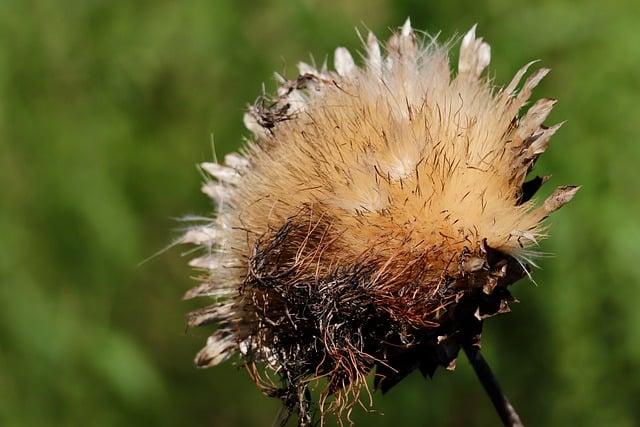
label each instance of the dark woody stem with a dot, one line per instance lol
(507, 413)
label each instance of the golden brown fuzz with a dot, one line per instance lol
(373, 221)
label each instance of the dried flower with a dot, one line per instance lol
(373, 221)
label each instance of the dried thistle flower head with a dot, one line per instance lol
(373, 221)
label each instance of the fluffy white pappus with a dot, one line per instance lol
(399, 155)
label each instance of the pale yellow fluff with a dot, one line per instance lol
(399, 154)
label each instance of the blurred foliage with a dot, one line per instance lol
(105, 108)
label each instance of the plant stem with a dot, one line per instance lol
(507, 413)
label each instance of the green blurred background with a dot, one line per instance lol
(106, 107)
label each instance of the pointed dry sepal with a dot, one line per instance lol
(374, 56)
(535, 116)
(204, 235)
(560, 197)
(527, 88)
(220, 172)
(209, 289)
(210, 314)
(540, 140)
(215, 191)
(343, 62)
(219, 347)
(510, 89)
(236, 161)
(402, 47)
(407, 42)
(475, 54)
(304, 69)
(252, 123)
(407, 30)
(207, 262)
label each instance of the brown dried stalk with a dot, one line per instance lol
(505, 410)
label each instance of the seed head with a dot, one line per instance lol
(375, 218)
